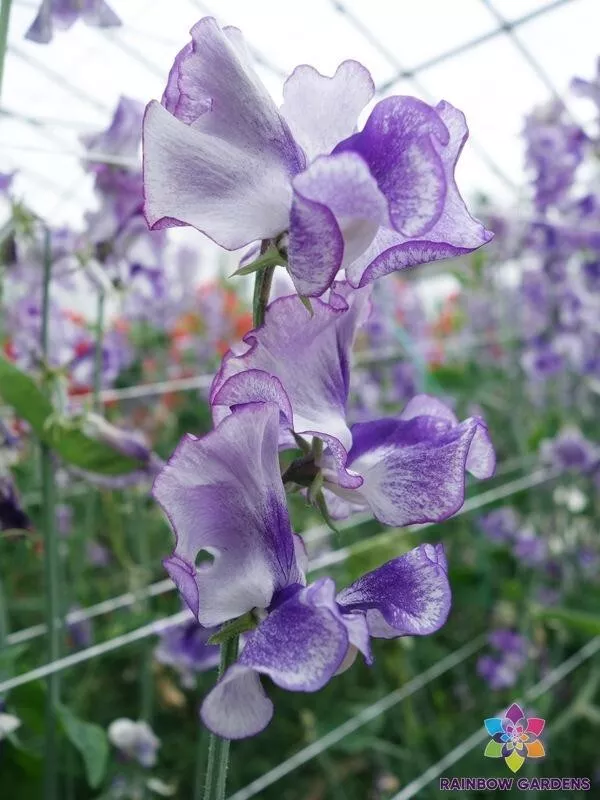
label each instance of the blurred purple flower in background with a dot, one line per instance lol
(62, 14)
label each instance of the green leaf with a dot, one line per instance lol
(581, 620)
(90, 740)
(22, 393)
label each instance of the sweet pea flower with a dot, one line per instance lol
(224, 496)
(135, 740)
(185, 648)
(220, 156)
(408, 469)
(570, 451)
(62, 14)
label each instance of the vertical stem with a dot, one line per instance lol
(51, 565)
(262, 289)
(218, 748)
(99, 351)
(4, 17)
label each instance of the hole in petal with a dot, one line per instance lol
(204, 560)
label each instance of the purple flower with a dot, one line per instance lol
(6, 179)
(135, 740)
(502, 669)
(79, 629)
(12, 516)
(123, 135)
(224, 497)
(220, 156)
(570, 450)
(590, 89)
(63, 13)
(185, 648)
(530, 548)
(500, 525)
(406, 470)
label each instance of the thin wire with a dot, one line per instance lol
(84, 155)
(527, 55)
(551, 679)
(474, 503)
(58, 79)
(368, 34)
(363, 717)
(312, 535)
(471, 43)
(94, 651)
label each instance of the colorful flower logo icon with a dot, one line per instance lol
(514, 737)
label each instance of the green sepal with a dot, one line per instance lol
(307, 304)
(247, 622)
(272, 258)
(321, 506)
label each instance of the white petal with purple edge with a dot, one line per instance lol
(413, 470)
(322, 111)
(343, 184)
(237, 706)
(192, 178)
(223, 495)
(408, 596)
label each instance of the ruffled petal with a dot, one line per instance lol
(344, 185)
(322, 111)
(234, 196)
(397, 143)
(302, 642)
(237, 706)
(414, 470)
(223, 495)
(409, 596)
(316, 246)
(453, 233)
(308, 357)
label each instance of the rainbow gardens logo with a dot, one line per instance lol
(514, 737)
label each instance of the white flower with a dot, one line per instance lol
(135, 739)
(8, 724)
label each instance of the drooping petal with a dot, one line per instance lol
(409, 596)
(237, 706)
(397, 143)
(337, 211)
(234, 196)
(322, 111)
(414, 470)
(306, 355)
(223, 495)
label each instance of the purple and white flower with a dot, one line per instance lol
(62, 14)
(408, 469)
(224, 497)
(134, 740)
(220, 156)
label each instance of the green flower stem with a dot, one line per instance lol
(98, 353)
(51, 567)
(262, 290)
(218, 748)
(4, 17)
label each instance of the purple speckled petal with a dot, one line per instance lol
(454, 233)
(322, 111)
(409, 596)
(309, 358)
(223, 495)
(316, 246)
(414, 470)
(397, 143)
(301, 645)
(343, 184)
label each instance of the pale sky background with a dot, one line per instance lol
(72, 85)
